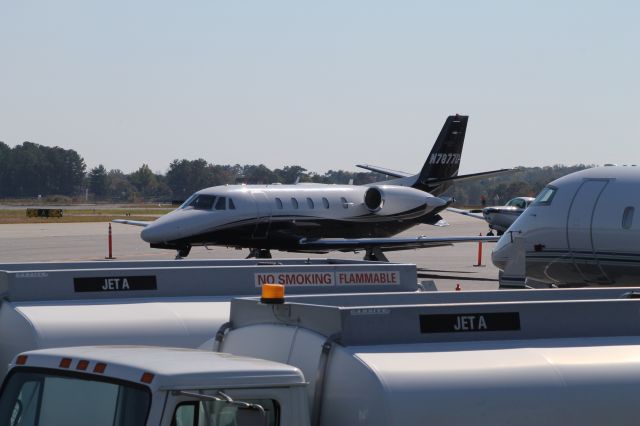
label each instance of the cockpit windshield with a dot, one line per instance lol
(545, 196)
(188, 201)
(199, 202)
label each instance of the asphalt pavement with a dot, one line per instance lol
(67, 242)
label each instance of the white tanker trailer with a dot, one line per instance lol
(552, 357)
(160, 303)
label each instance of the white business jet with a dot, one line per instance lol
(580, 230)
(318, 218)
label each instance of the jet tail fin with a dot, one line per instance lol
(440, 170)
(444, 159)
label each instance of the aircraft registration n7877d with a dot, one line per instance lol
(318, 218)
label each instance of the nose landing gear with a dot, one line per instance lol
(259, 254)
(183, 252)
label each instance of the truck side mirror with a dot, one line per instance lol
(250, 417)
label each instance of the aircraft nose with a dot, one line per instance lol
(498, 261)
(153, 233)
(174, 226)
(503, 252)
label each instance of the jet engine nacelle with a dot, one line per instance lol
(373, 199)
(399, 201)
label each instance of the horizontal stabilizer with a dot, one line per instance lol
(383, 171)
(472, 176)
(132, 222)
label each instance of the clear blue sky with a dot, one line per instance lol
(323, 84)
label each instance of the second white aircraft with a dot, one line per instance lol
(580, 230)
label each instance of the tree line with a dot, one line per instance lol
(31, 170)
(522, 182)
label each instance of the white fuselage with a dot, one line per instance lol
(278, 216)
(318, 218)
(582, 229)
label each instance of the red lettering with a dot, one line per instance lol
(265, 279)
(368, 278)
(310, 278)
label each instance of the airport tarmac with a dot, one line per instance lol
(68, 242)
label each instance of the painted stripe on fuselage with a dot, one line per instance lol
(285, 232)
(584, 267)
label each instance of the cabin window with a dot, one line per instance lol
(278, 203)
(202, 202)
(345, 203)
(545, 197)
(325, 203)
(294, 203)
(627, 217)
(231, 205)
(310, 203)
(221, 204)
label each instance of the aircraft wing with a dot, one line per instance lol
(470, 213)
(388, 244)
(382, 170)
(131, 222)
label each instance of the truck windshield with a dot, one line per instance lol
(39, 397)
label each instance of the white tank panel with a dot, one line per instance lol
(586, 381)
(287, 344)
(158, 323)
(582, 381)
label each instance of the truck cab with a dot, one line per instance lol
(140, 385)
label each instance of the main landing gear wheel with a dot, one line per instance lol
(183, 252)
(259, 254)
